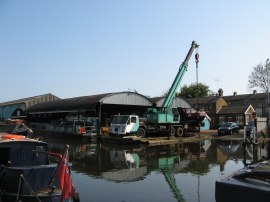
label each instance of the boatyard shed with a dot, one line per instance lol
(92, 112)
(15, 108)
(101, 106)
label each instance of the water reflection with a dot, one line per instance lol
(99, 160)
(129, 164)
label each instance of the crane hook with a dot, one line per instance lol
(197, 57)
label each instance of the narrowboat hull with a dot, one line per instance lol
(251, 183)
(26, 173)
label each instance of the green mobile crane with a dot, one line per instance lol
(164, 120)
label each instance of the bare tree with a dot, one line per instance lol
(259, 77)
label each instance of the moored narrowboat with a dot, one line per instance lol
(251, 183)
(26, 174)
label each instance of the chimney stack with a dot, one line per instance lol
(220, 92)
(234, 93)
(254, 92)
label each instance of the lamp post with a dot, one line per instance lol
(267, 73)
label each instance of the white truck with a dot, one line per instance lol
(124, 125)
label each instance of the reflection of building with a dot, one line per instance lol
(227, 149)
(250, 183)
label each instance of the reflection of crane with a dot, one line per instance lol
(169, 176)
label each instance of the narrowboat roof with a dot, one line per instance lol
(15, 139)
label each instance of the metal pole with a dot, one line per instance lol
(267, 71)
(197, 90)
(197, 56)
(197, 86)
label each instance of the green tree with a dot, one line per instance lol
(192, 90)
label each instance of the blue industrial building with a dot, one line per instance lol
(15, 108)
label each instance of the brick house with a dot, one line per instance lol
(235, 107)
(211, 105)
(259, 102)
(239, 114)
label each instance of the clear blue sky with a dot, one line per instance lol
(74, 48)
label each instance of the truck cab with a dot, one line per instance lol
(124, 125)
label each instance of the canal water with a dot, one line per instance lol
(180, 172)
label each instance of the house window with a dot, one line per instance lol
(247, 118)
(206, 108)
(221, 120)
(239, 119)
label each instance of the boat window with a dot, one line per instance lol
(40, 148)
(5, 155)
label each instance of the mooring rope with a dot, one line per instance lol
(31, 190)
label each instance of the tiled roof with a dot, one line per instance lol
(239, 97)
(203, 100)
(233, 110)
(258, 96)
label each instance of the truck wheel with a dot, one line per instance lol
(179, 132)
(172, 132)
(141, 132)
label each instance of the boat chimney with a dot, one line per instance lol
(234, 93)
(254, 92)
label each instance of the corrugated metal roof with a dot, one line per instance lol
(26, 99)
(177, 102)
(88, 103)
(126, 98)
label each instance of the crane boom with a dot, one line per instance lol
(182, 69)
